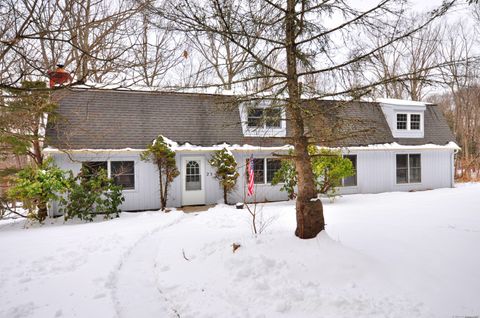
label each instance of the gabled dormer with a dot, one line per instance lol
(262, 119)
(405, 118)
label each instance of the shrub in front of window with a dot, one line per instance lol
(226, 170)
(160, 153)
(35, 186)
(90, 194)
(329, 168)
(287, 176)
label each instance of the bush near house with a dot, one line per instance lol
(161, 154)
(287, 176)
(35, 186)
(226, 171)
(329, 168)
(78, 196)
(89, 195)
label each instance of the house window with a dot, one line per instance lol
(123, 174)
(258, 171)
(402, 121)
(92, 168)
(273, 165)
(409, 168)
(264, 118)
(409, 121)
(268, 165)
(273, 117)
(193, 177)
(352, 180)
(414, 122)
(255, 117)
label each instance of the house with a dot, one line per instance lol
(394, 145)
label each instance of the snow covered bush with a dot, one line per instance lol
(226, 170)
(35, 186)
(87, 195)
(161, 153)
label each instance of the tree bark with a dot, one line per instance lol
(42, 211)
(162, 196)
(225, 195)
(37, 151)
(309, 209)
(165, 194)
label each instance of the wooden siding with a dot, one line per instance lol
(376, 172)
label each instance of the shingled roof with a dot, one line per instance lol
(112, 119)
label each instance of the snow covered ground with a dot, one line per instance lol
(382, 255)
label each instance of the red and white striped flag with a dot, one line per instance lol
(250, 176)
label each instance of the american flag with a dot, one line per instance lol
(250, 176)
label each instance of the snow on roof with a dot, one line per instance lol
(396, 146)
(187, 147)
(208, 90)
(218, 90)
(400, 102)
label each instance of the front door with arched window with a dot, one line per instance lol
(193, 180)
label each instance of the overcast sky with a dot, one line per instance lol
(460, 12)
(417, 4)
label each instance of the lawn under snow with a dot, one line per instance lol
(382, 255)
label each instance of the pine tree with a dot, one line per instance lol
(35, 186)
(226, 170)
(23, 118)
(160, 153)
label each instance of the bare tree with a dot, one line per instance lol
(409, 66)
(461, 78)
(92, 38)
(154, 50)
(225, 59)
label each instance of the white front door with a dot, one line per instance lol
(193, 180)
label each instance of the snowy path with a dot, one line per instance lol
(70, 270)
(134, 284)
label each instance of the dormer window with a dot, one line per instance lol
(402, 121)
(414, 121)
(407, 121)
(262, 119)
(405, 118)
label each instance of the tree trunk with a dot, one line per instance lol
(162, 196)
(310, 219)
(309, 209)
(42, 211)
(225, 195)
(37, 151)
(165, 194)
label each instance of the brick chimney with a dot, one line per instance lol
(59, 77)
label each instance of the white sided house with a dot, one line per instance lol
(394, 145)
